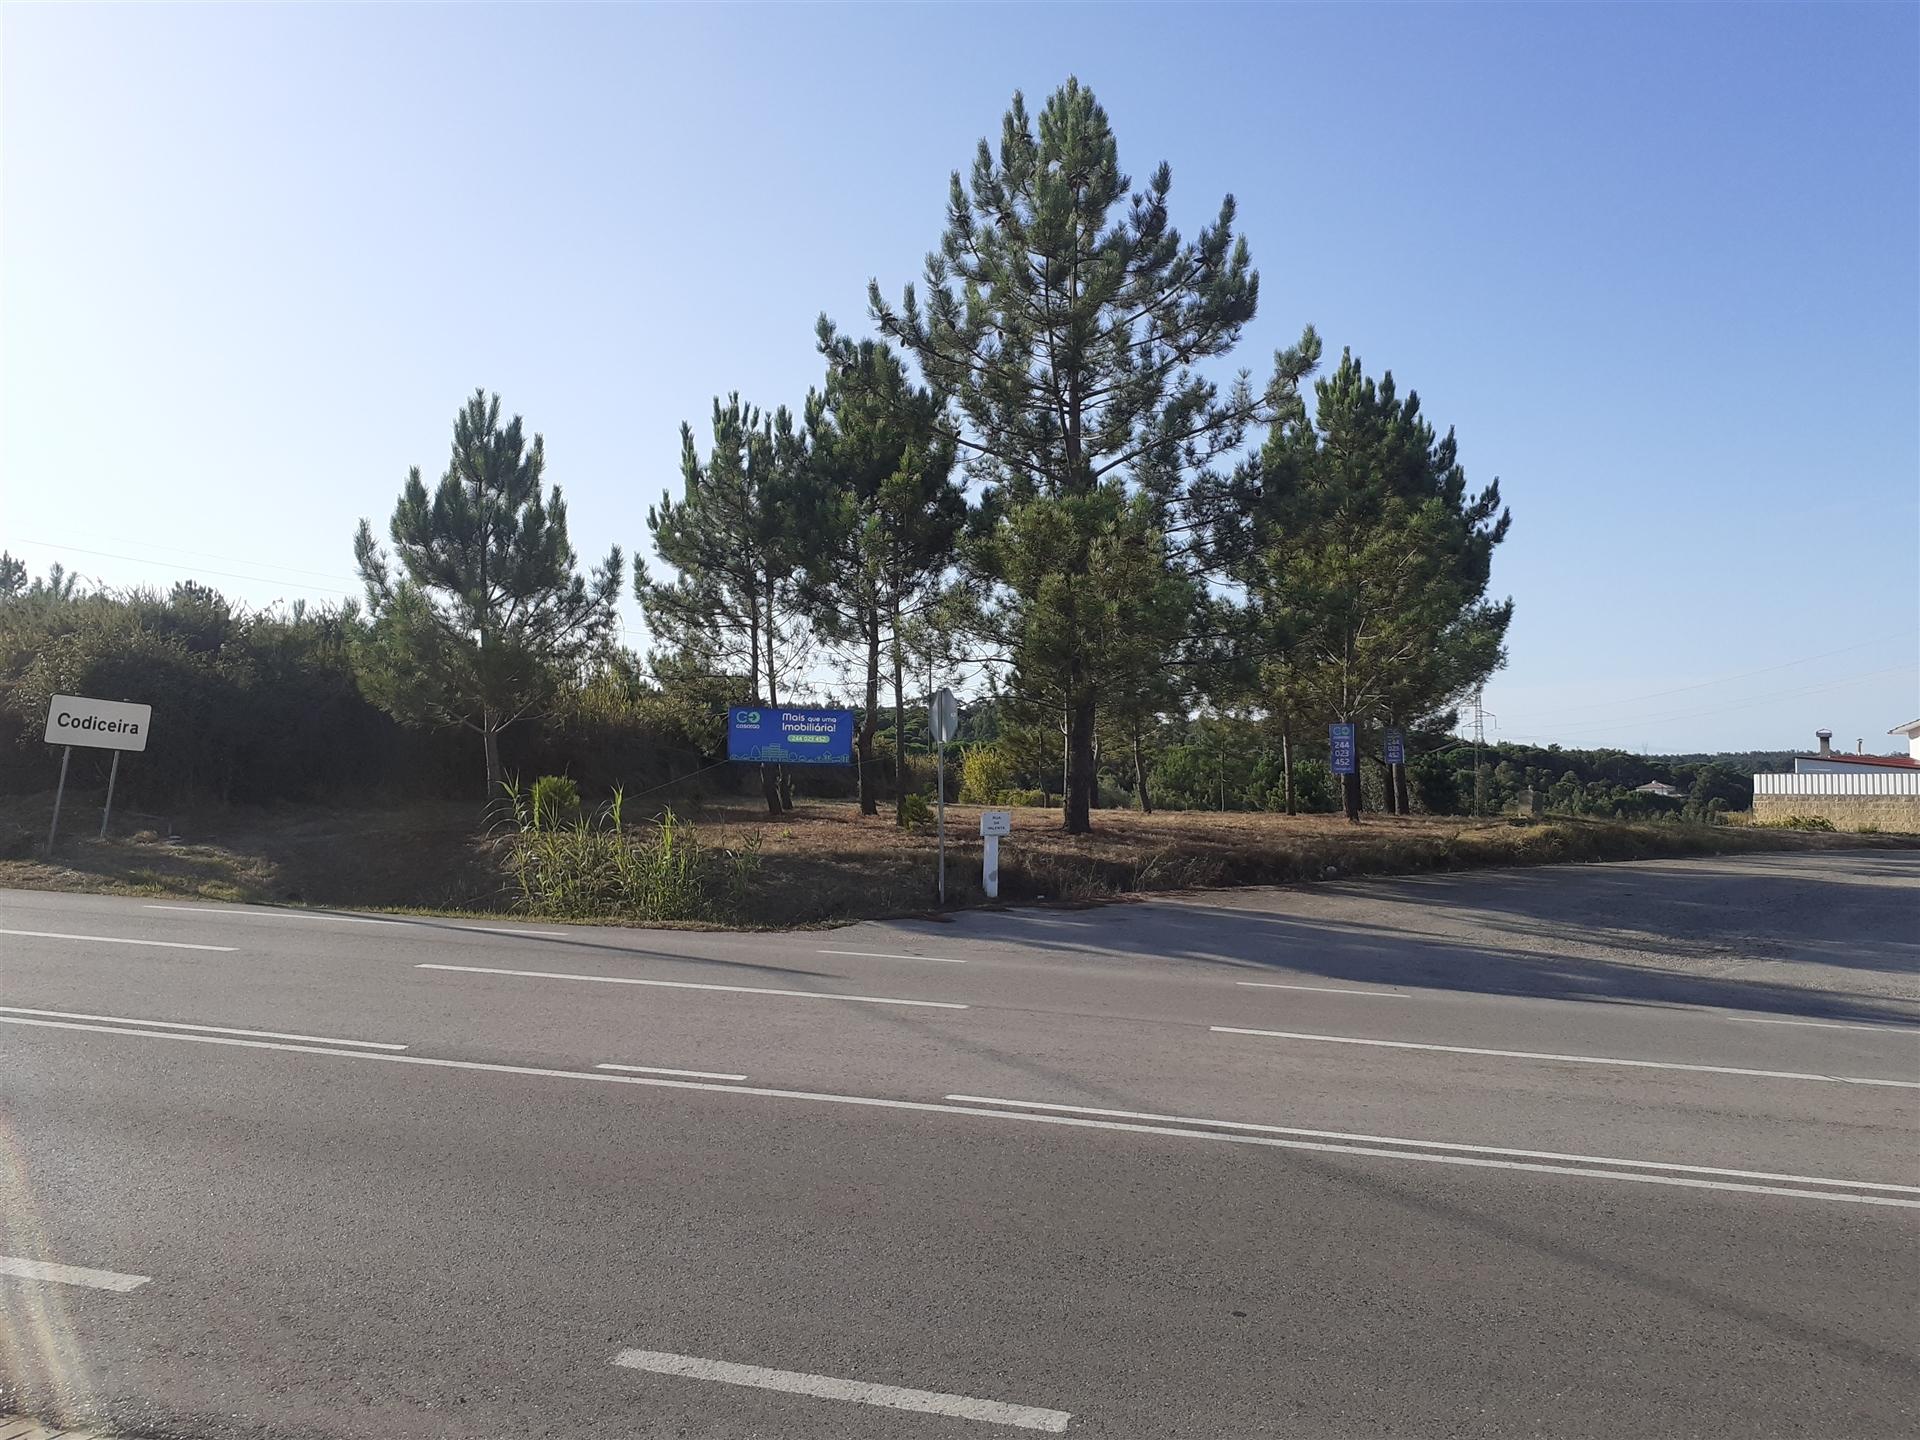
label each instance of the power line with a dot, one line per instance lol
(188, 569)
(197, 554)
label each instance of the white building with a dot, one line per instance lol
(1912, 731)
(1850, 792)
(1829, 761)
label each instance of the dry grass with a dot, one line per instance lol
(825, 862)
(435, 856)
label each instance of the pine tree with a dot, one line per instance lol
(734, 546)
(1366, 562)
(489, 609)
(1063, 315)
(880, 518)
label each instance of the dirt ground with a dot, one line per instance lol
(823, 861)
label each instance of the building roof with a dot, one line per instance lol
(1910, 729)
(1897, 762)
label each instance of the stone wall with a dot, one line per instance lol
(1896, 814)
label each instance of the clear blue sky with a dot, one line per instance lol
(1659, 265)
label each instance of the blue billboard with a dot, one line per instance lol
(775, 735)
(1340, 742)
(1396, 747)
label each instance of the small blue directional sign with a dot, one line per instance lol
(776, 735)
(1396, 748)
(1340, 741)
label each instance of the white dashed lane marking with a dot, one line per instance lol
(858, 1392)
(22, 1269)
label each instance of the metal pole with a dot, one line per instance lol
(66, 754)
(106, 811)
(940, 793)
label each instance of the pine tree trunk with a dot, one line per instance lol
(899, 724)
(1403, 798)
(1286, 761)
(1140, 773)
(780, 791)
(1078, 817)
(1350, 795)
(490, 741)
(869, 797)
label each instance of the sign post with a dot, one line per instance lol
(993, 824)
(66, 757)
(114, 725)
(1397, 773)
(943, 720)
(106, 810)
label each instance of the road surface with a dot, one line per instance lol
(1599, 1151)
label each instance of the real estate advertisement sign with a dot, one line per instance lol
(777, 735)
(1396, 748)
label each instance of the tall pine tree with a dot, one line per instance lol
(734, 547)
(1064, 315)
(1365, 561)
(488, 611)
(881, 515)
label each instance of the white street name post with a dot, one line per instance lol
(114, 725)
(993, 824)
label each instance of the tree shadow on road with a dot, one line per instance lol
(1768, 934)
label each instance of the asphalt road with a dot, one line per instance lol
(1606, 1151)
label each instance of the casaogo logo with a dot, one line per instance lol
(749, 717)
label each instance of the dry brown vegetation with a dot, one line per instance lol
(825, 862)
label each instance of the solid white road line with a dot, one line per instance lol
(860, 1392)
(1439, 1144)
(115, 940)
(212, 1029)
(692, 985)
(1321, 989)
(878, 955)
(21, 1269)
(929, 1107)
(1569, 1059)
(265, 914)
(663, 1070)
(1827, 1025)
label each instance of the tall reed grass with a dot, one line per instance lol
(594, 867)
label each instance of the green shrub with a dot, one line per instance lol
(1020, 797)
(915, 813)
(985, 771)
(554, 802)
(594, 868)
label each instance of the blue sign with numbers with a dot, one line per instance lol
(1340, 742)
(777, 735)
(1396, 748)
